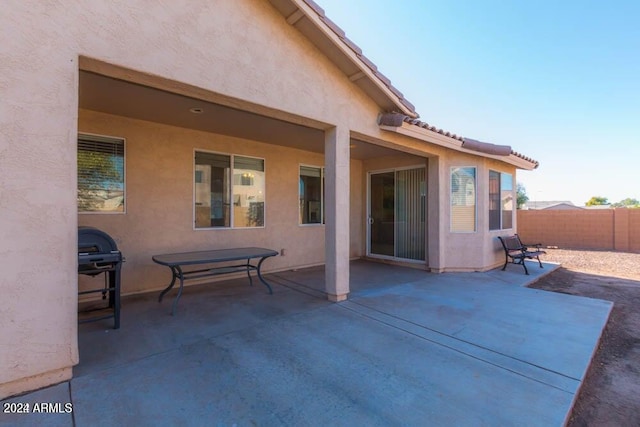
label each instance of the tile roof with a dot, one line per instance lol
(527, 158)
(396, 119)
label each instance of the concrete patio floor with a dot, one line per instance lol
(407, 348)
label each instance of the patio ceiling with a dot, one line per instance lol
(118, 97)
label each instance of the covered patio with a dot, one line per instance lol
(408, 348)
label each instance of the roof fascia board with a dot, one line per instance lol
(425, 135)
(295, 17)
(348, 52)
(453, 144)
(520, 163)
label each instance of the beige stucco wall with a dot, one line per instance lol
(216, 45)
(226, 45)
(242, 50)
(38, 107)
(479, 250)
(159, 200)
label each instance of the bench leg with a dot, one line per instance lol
(539, 262)
(520, 260)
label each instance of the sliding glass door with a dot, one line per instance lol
(382, 214)
(397, 206)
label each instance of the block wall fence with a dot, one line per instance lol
(606, 229)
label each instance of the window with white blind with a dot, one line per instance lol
(463, 199)
(501, 200)
(100, 174)
(229, 191)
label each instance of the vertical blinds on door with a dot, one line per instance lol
(410, 213)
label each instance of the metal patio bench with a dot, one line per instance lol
(517, 251)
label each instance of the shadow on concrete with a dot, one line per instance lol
(408, 348)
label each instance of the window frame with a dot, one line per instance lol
(501, 212)
(107, 139)
(232, 225)
(322, 195)
(475, 200)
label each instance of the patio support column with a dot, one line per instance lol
(438, 213)
(337, 183)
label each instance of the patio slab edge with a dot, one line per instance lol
(586, 371)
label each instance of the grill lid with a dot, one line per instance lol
(93, 240)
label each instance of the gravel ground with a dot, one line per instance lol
(616, 264)
(610, 393)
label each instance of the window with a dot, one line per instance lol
(500, 200)
(229, 191)
(248, 195)
(311, 189)
(463, 199)
(100, 174)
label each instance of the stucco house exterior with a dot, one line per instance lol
(215, 124)
(551, 205)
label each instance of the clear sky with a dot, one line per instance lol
(559, 81)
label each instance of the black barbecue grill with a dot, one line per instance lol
(99, 254)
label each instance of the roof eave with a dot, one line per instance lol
(294, 11)
(451, 143)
